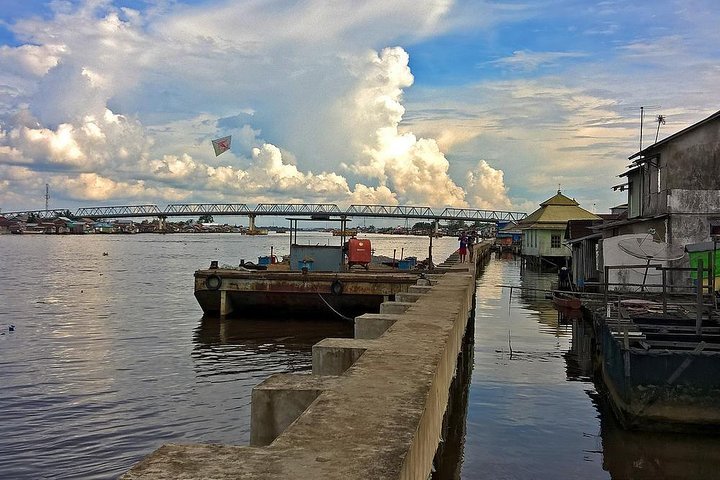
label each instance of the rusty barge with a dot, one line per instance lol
(319, 294)
(660, 369)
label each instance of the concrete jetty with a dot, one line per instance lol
(373, 406)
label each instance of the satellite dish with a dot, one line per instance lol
(649, 249)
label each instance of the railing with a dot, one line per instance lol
(697, 291)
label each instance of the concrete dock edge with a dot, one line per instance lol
(373, 407)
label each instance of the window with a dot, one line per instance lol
(555, 241)
(658, 178)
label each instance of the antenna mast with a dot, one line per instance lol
(642, 116)
(660, 120)
(47, 196)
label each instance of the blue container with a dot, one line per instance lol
(302, 264)
(405, 265)
(264, 260)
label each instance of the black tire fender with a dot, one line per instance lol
(336, 287)
(213, 282)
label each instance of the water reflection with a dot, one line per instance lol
(229, 349)
(449, 456)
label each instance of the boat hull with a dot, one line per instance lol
(279, 293)
(676, 390)
(566, 301)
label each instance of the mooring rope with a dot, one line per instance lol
(336, 312)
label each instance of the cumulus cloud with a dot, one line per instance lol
(413, 167)
(486, 187)
(101, 103)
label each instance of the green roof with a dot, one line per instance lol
(555, 212)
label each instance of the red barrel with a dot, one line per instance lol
(358, 252)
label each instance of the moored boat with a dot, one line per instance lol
(566, 300)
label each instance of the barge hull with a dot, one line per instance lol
(676, 390)
(317, 294)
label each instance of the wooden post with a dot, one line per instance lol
(626, 351)
(699, 290)
(664, 293)
(607, 276)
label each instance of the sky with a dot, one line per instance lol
(469, 103)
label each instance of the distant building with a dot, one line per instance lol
(544, 229)
(584, 237)
(4, 225)
(508, 236)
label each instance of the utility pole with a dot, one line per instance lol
(47, 196)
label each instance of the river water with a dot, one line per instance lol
(111, 357)
(535, 413)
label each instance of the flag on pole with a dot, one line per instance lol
(221, 145)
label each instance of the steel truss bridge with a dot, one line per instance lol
(313, 210)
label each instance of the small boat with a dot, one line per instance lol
(566, 300)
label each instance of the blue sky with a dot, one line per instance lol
(487, 104)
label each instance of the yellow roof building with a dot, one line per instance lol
(555, 212)
(543, 230)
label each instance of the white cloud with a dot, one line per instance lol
(527, 60)
(340, 103)
(486, 187)
(415, 168)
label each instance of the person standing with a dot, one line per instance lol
(472, 240)
(462, 251)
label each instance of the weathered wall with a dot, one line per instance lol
(542, 246)
(688, 162)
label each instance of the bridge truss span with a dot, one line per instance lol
(292, 209)
(122, 211)
(184, 209)
(397, 211)
(471, 214)
(316, 210)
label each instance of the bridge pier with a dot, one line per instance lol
(251, 223)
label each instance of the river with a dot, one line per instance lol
(535, 412)
(111, 357)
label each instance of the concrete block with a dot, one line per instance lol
(394, 307)
(374, 325)
(420, 288)
(279, 401)
(407, 297)
(332, 356)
